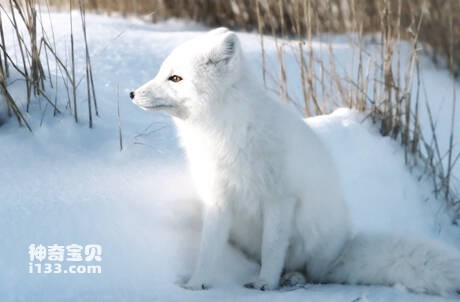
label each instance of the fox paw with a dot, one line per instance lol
(193, 285)
(261, 285)
(293, 279)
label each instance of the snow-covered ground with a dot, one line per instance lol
(68, 184)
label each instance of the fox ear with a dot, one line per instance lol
(225, 49)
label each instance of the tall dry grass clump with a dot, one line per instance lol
(381, 84)
(36, 50)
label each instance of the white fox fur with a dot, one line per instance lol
(268, 183)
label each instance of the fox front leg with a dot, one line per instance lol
(216, 228)
(276, 229)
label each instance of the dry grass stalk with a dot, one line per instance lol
(4, 61)
(88, 64)
(72, 67)
(452, 121)
(261, 29)
(300, 35)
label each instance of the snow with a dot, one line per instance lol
(68, 184)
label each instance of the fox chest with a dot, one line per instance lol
(229, 177)
(230, 170)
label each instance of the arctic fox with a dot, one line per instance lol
(269, 185)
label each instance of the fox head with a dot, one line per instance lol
(194, 76)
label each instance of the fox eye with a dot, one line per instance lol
(175, 78)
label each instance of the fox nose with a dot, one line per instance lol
(131, 95)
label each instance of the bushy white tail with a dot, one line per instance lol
(421, 265)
